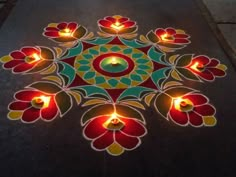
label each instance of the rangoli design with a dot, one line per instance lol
(116, 77)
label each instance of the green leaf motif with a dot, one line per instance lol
(113, 82)
(100, 80)
(64, 102)
(93, 52)
(184, 60)
(74, 51)
(159, 75)
(126, 81)
(155, 55)
(83, 62)
(144, 67)
(136, 77)
(187, 74)
(162, 104)
(68, 71)
(142, 61)
(142, 72)
(46, 87)
(93, 90)
(137, 55)
(103, 49)
(115, 49)
(133, 43)
(89, 75)
(83, 68)
(100, 41)
(128, 51)
(88, 56)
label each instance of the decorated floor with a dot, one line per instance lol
(117, 93)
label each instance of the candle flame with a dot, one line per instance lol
(117, 25)
(114, 61)
(45, 100)
(65, 32)
(197, 66)
(165, 37)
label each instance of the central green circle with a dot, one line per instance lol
(107, 65)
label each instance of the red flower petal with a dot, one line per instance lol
(206, 75)
(178, 117)
(51, 29)
(111, 19)
(104, 141)
(171, 31)
(52, 34)
(216, 72)
(160, 31)
(195, 119)
(105, 23)
(27, 95)
(181, 41)
(17, 55)
(31, 114)
(197, 99)
(95, 127)
(23, 67)
(127, 142)
(123, 19)
(181, 36)
(72, 26)
(133, 127)
(18, 105)
(29, 51)
(62, 25)
(13, 63)
(202, 59)
(205, 110)
(50, 112)
(213, 63)
(129, 24)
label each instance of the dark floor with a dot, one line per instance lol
(57, 149)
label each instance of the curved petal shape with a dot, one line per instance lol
(195, 119)
(19, 105)
(133, 127)
(127, 142)
(17, 55)
(178, 117)
(205, 110)
(196, 99)
(104, 141)
(31, 115)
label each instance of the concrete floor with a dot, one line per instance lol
(57, 149)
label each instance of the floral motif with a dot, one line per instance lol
(193, 109)
(65, 31)
(28, 59)
(114, 133)
(168, 39)
(207, 68)
(114, 25)
(32, 105)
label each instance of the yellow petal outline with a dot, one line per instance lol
(134, 104)
(50, 70)
(173, 58)
(52, 25)
(76, 96)
(5, 59)
(54, 78)
(93, 102)
(149, 98)
(115, 149)
(221, 67)
(59, 51)
(209, 121)
(171, 84)
(15, 115)
(175, 75)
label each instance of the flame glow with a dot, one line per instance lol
(117, 25)
(66, 32)
(45, 100)
(114, 61)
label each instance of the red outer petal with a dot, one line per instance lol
(95, 127)
(205, 110)
(52, 34)
(206, 75)
(127, 142)
(17, 55)
(160, 31)
(123, 19)
(213, 63)
(31, 114)
(181, 36)
(178, 117)
(216, 71)
(129, 24)
(72, 26)
(27, 95)
(181, 41)
(202, 59)
(29, 51)
(111, 19)
(197, 99)
(105, 23)
(170, 31)
(51, 29)
(104, 141)
(13, 63)
(133, 127)
(23, 67)
(62, 25)
(18, 105)
(50, 112)
(195, 119)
